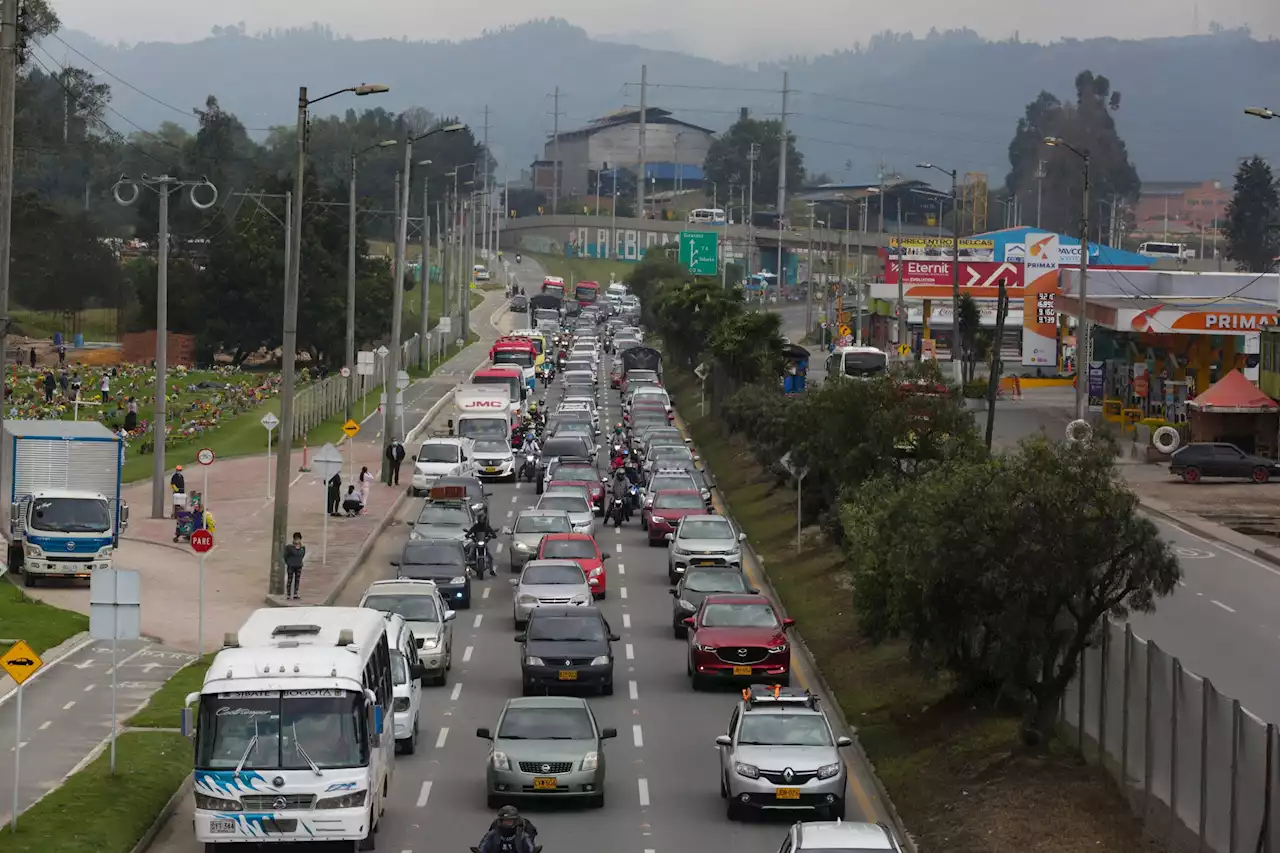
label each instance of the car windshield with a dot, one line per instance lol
(576, 472)
(562, 574)
(493, 447)
(448, 516)
(784, 730)
(564, 447)
(669, 482)
(399, 670)
(696, 581)
(513, 385)
(431, 554)
(569, 549)
(414, 608)
(281, 731)
(678, 502)
(521, 357)
(739, 616)
(543, 524)
(438, 453)
(546, 724)
(671, 451)
(574, 428)
(567, 629)
(567, 503)
(71, 515)
(706, 528)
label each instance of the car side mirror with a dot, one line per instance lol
(844, 741)
(450, 615)
(488, 494)
(724, 740)
(675, 593)
(613, 638)
(604, 556)
(608, 734)
(519, 638)
(506, 531)
(687, 621)
(670, 537)
(417, 672)
(414, 457)
(484, 733)
(788, 622)
(742, 537)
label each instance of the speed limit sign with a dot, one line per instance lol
(205, 456)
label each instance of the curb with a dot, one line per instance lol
(149, 837)
(1266, 554)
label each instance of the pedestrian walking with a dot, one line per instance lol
(33, 358)
(76, 385)
(62, 355)
(49, 384)
(335, 495)
(295, 554)
(105, 386)
(64, 380)
(366, 481)
(395, 454)
(131, 415)
(178, 484)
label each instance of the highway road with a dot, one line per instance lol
(661, 793)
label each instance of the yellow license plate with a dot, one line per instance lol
(547, 783)
(742, 670)
(568, 675)
(788, 793)
(491, 469)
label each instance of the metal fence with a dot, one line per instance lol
(1196, 766)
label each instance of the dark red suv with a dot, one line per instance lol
(668, 507)
(738, 638)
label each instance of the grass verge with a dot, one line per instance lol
(43, 626)
(953, 771)
(583, 269)
(164, 710)
(96, 324)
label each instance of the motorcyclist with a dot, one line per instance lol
(509, 833)
(620, 488)
(517, 257)
(480, 533)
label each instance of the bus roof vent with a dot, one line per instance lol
(288, 644)
(346, 637)
(295, 630)
(231, 640)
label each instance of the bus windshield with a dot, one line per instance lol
(554, 289)
(514, 386)
(281, 731)
(587, 295)
(520, 357)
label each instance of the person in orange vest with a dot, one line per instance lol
(1017, 386)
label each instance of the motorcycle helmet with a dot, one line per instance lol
(508, 820)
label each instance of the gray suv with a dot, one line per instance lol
(527, 532)
(780, 753)
(837, 836)
(703, 540)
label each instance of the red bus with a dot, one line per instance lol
(554, 285)
(587, 292)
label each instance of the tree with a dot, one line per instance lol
(749, 346)
(969, 324)
(728, 159)
(59, 264)
(1000, 570)
(1253, 218)
(1087, 125)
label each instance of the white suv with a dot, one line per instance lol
(837, 836)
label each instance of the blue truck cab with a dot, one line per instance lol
(63, 509)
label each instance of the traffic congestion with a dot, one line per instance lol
(571, 642)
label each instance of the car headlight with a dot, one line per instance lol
(533, 661)
(686, 604)
(521, 546)
(459, 579)
(657, 519)
(600, 660)
(778, 649)
(500, 761)
(527, 599)
(679, 552)
(217, 804)
(400, 703)
(354, 800)
(34, 550)
(700, 647)
(589, 761)
(748, 770)
(413, 534)
(829, 770)
(430, 643)
(579, 599)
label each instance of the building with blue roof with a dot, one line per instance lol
(1011, 246)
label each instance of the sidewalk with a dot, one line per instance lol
(237, 570)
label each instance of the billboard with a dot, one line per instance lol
(1039, 307)
(931, 279)
(942, 248)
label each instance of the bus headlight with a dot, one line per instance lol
(217, 804)
(353, 800)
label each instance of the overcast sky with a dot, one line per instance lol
(731, 30)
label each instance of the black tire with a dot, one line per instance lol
(606, 689)
(731, 810)
(527, 689)
(369, 842)
(28, 579)
(596, 802)
(412, 746)
(679, 631)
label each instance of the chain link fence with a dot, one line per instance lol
(1196, 766)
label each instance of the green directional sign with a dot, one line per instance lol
(699, 251)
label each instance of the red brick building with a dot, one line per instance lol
(1187, 206)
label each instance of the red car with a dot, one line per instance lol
(668, 507)
(737, 637)
(580, 477)
(582, 549)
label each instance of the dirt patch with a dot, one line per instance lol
(1249, 508)
(952, 767)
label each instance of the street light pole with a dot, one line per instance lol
(351, 273)
(1083, 348)
(956, 364)
(425, 295)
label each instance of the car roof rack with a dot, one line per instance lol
(776, 694)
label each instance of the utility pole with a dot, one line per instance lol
(1084, 350)
(391, 410)
(782, 178)
(8, 82)
(425, 308)
(555, 151)
(1040, 176)
(164, 186)
(485, 204)
(902, 295)
(993, 380)
(956, 366)
(753, 153)
(642, 181)
(466, 282)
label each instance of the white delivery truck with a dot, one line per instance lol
(483, 412)
(61, 483)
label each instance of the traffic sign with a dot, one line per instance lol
(351, 428)
(270, 421)
(382, 352)
(904, 349)
(701, 371)
(402, 380)
(21, 662)
(327, 462)
(445, 325)
(345, 372)
(201, 541)
(845, 331)
(699, 251)
(205, 456)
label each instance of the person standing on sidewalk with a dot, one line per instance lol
(178, 485)
(335, 494)
(295, 553)
(395, 454)
(366, 480)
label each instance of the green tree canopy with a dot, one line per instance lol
(728, 160)
(1253, 218)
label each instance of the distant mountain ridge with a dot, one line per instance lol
(951, 98)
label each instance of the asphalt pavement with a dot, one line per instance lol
(66, 713)
(662, 791)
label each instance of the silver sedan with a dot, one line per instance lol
(556, 583)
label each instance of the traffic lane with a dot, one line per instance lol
(1236, 583)
(66, 712)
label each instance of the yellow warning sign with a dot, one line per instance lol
(351, 428)
(845, 331)
(21, 662)
(904, 349)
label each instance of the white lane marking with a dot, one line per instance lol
(46, 724)
(626, 620)
(1182, 583)
(510, 513)
(88, 687)
(622, 592)
(479, 619)
(67, 707)
(456, 692)
(485, 594)
(643, 784)
(126, 660)
(622, 570)
(466, 654)
(1233, 552)
(637, 735)
(424, 793)
(442, 737)
(515, 498)
(1220, 604)
(633, 690)
(631, 652)
(619, 547)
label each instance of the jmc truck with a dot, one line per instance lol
(62, 484)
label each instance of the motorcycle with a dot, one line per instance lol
(517, 257)
(617, 510)
(479, 558)
(537, 848)
(529, 469)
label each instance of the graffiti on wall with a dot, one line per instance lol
(628, 244)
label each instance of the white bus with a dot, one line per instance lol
(857, 363)
(1175, 251)
(293, 730)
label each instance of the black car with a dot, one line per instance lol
(695, 585)
(554, 448)
(520, 304)
(475, 493)
(566, 647)
(1220, 459)
(441, 560)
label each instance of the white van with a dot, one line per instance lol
(441, 457)
(708, 216)
(406, 691)
(1174, 251)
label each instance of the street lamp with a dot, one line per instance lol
(955, 269)
(397, 292)
(425, 313)
(289, 338)
(1083, 348)
(351, 271)
(1261, 112)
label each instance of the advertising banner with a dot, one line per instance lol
(1039, 309)
(941, 248)
(931, 279)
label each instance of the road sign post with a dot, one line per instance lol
(382, 352)
(21, 662)
(205, 457)
(699, 251)
(201, 543)
(701, 372)
(270, 421)
(798, 474)
(328, 463)
(351, 429)
(115, 614)
(364, 367)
